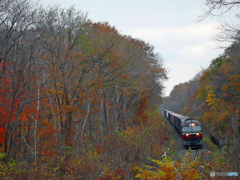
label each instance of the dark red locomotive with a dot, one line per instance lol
(189, 128)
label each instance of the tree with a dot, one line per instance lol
(219, 7)
(66, 81)
(228, 32)
(18, 47)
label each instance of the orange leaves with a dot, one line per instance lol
(114, 175)
(85, 80)
(68, 108)
(78, 55)
(231, 71)
(220, 89)
(102, 27)
(98, 148)
(141, 111)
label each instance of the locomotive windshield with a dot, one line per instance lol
(191, 128)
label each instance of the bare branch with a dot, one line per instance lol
(218, 8)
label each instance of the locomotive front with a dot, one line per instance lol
(192, 132)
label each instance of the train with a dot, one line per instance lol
(189, 128)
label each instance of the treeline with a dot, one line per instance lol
(65, 81)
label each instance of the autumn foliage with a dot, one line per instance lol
(70, 92)
(212, 97)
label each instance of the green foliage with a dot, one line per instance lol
(2, 155)
(12, 168)
(172, 146)
(69, 150)
(213, 147)
(216, 65)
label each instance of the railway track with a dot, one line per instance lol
(197, 153)
(193, 154)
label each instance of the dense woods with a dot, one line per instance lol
(70, 86)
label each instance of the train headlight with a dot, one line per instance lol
(197, 134)
(187, 134)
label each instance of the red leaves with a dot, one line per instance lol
(102, 27)
(12, 94)
(141, 111)
(98, 148)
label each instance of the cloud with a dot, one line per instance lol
(180, 72)
(188, 42)
(192, 32)
(185, 49)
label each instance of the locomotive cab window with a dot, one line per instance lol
(191, 128)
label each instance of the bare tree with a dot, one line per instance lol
(228, 31)
(219, 7)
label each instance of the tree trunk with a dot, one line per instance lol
(85, 119)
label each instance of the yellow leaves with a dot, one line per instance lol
(157, 150)
(69, 108)
(60, 92)
(211, 98)
(168, 169)
(92, 154)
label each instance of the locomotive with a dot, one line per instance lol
(190, 129)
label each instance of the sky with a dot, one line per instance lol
(171, 26)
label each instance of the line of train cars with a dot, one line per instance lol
(189, 128)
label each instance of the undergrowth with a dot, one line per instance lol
(213, 147)
(114, 158)
(133, 153)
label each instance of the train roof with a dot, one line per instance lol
(179, 116)
(186, 121)
(167, 110)
(189, 121)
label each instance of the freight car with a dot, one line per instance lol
(190, 129)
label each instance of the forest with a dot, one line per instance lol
(71, 92)
(79, 100)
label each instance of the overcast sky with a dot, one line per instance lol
(169, 25)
